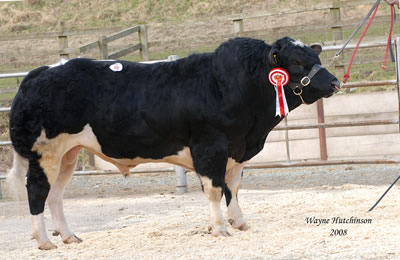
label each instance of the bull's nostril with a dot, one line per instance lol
(336, 84)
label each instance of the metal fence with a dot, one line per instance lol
(321, 125)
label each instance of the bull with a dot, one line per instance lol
(209, 113)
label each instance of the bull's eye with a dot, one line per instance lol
(296, 68)
(296, 62)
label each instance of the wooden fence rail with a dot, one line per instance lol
(103, 41)
(64, 50)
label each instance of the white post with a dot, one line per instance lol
(398, 74)
(1, 194)
(181, 180)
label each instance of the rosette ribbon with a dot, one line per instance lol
(279, 78)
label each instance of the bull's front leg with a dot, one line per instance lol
(209, 153)
(233, 178)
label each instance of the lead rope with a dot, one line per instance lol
(383, 195)
(374, 7)
(373, 11)
(347, 75)
(358, 27)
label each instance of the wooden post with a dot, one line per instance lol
(322, 133)
(91, 158)
(144, 50)
(62, 42)
(103, 49)
(238, 26)
(337, 35)
(287, 141)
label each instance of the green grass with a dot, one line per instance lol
(9, 82)
(5, 98)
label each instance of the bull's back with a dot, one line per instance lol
(138, 111)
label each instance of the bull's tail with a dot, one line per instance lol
(16, 177)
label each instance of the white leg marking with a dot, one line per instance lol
(232, 179)
(55, 197)
(39, 233)
(216, 221)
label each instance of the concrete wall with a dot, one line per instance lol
(342, 143)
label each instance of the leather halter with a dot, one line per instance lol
(304, 82)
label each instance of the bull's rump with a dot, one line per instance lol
(145, 111)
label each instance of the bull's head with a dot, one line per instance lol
(308, 79)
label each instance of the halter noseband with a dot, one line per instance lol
(304, 82)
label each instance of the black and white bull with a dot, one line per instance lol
(209, 113)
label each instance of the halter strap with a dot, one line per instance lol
(304, 82)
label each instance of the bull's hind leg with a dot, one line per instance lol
(232, 179)
(55, 197)
(209, 160)
(38, 188)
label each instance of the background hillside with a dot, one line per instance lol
(44, 15)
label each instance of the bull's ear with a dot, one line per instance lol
(317, 48)
(274, 57)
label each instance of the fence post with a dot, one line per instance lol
(62, 42)
(181, 181)
(103, 49)
(398, 74)
(91, 159)
(144, 49)
(337, 34)
(238, 26)
(1, 193)
(322, 134)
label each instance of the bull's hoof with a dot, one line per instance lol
(241, 225)
(72, 239)
(47, 246)
(219, 231)
(69, 240)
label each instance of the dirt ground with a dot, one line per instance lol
(140, 217)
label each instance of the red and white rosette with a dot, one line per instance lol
(279, 78)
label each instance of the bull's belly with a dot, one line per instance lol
(56, 150)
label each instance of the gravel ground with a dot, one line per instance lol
(140, 217)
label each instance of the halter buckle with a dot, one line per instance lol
(305, 81)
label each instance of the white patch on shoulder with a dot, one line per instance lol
(298, 43)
